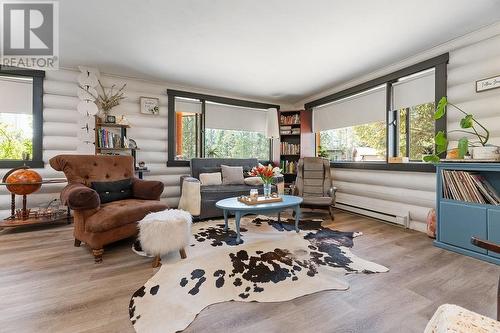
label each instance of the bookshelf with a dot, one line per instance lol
(295, 133)
(110, 140)
(467, 208)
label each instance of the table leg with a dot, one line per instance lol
(226, 213)
(279, 217)
(297, 217)
(237, 217)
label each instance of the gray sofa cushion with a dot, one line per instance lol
(227, 191)
(209, 164)
(232, 175)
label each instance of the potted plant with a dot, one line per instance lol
(469, 125)
(322, 152)
(427, 151)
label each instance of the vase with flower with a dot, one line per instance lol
(266, 174)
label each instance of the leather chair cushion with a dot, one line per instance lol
(119, 213)
(114, 190)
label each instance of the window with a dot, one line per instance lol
(20, 118)
(413, 105)
(236, 144)
(386, 117)
(360, 143)
(188, 123)
(212, 126)
(416, 131)
(352, 129)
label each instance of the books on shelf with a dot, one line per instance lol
(469, 187)
(288, 167)
(289, 148)
(290, 120)
(287, 130)
(108, 139)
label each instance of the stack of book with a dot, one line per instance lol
(290, 120)
(289, 148)
(469, 187)
(288, 167)
(287, 130)
(108, 139)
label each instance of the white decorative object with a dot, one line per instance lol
(164, 232)
(87, 107)
(87, 79)
(485, 153)
(272, 126)
(150, 105)
(123, 121)
(87, 94)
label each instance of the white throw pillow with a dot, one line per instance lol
(253, 181)
(214, 178)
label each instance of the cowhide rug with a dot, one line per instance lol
(273, 264)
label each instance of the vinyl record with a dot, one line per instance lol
(87, 107)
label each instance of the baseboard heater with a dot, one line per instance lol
(397, 217)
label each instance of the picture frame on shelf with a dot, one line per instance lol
(110, 119)
(150, 105)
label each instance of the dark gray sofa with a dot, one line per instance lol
(213, 193)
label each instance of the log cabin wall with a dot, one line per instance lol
(61, 127)
(473, 57)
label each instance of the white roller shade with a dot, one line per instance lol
(228, 117)
(187, 105)
(16, 95)
(362, 108)
(413, 90)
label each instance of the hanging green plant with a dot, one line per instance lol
(469, 125)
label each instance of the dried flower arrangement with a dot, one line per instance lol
(108, 100)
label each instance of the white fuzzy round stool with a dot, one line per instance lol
(165, 231)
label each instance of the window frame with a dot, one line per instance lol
(172, 94)
(37, 110)
(439, 63)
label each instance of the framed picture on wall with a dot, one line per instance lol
(150, 105)
(488, 84)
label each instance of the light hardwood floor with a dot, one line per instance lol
(47, 285)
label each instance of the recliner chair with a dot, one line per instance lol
(314, 184)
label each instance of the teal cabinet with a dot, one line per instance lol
(494, 229)
(460, 222)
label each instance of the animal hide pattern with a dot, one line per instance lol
(274, 263)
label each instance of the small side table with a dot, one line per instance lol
(140, 172)
(27, 219)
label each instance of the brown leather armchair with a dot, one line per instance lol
(99, 224)
(314, 184)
